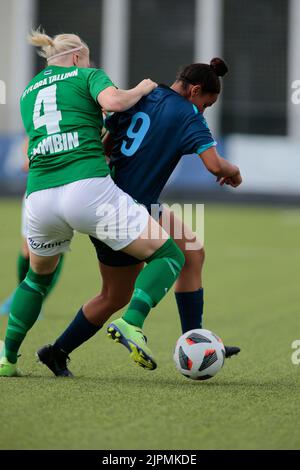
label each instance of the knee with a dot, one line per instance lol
(39, 282)
(25, 249)
(194, 259)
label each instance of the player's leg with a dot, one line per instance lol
(164, 262)
(117, 288)
(23, 258)
(45, 218)
(119, 272)
(188, 287)
(22, 261)
(22, 269)
(25, 308)
(23, 266)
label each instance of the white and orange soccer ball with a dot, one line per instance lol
(199, 354)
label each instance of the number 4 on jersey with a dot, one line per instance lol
(51, 116)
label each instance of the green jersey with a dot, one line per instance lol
(63, 121)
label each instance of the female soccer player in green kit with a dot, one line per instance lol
(69, 188)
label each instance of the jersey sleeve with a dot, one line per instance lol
(196, 136)
(97, 82)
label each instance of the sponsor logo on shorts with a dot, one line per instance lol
(37, 245)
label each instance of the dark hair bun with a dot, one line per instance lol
(219, 66)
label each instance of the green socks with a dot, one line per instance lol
(25, 309)
(154, 281)
(23, 266)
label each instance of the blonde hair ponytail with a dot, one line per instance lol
(58, 46)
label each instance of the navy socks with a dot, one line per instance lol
(79, 331)
(190, 307)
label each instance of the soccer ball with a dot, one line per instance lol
(199, 354)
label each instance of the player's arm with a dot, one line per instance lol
(225, 172)
(115, 100)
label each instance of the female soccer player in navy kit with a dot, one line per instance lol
(148, 141)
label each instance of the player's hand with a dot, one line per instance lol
(234, 180)
(146, 86)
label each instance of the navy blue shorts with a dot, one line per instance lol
(108, 256)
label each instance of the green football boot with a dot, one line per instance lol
(7, 369)
(134, 340)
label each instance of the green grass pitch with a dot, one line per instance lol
(252, 300)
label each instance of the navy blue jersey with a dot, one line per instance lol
(149, 140)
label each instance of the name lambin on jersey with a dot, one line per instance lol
(56, 143)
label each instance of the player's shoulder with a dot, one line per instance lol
(167, 92)
(42, 74)
(174, 98)
(185, 110)
(90, 72)
(87, 70)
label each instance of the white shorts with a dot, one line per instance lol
(94, 206)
